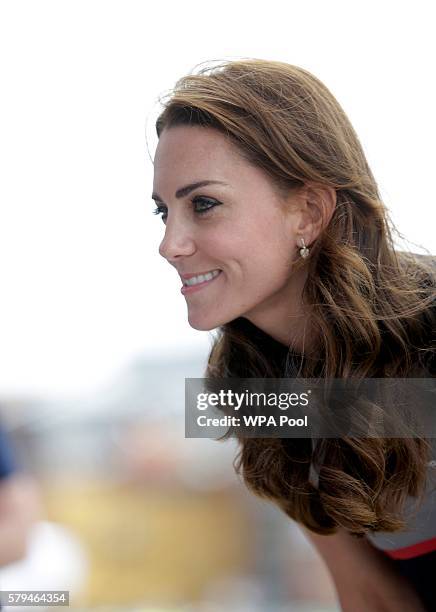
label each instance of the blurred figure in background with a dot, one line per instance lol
(20, 505)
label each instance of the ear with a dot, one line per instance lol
(316, 205)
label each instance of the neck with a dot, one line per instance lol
(285, 318)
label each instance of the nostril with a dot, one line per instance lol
(177, 241)
(172, 251)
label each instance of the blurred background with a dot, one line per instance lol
(109, 499)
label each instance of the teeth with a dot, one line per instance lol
(201, 278)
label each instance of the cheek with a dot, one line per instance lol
(260, 246)
(227, 243)
(264, 270)
(272, 259)
(271, 272)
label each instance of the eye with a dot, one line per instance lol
(161, 210)
(202, 204)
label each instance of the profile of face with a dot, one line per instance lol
(227, 231)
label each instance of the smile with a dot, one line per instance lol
(200, 281)
(195, 280)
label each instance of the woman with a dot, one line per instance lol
(274, 222)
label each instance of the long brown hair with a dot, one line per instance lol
(371, 306)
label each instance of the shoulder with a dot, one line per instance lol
(422, 328)
(419, 264)
(419, 538)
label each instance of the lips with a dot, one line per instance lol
(188, 276)
(201, 278)
(198, 282)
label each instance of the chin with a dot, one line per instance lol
(205, 324)
(201, 325)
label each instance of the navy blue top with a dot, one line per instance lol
(7, 462)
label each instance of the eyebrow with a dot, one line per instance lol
(184, 191)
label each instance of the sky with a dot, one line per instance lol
(84, 291)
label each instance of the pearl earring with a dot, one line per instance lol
(304, 251)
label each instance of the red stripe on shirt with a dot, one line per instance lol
(416, 550)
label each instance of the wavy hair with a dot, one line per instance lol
(372, 307)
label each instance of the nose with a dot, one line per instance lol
(177, 242)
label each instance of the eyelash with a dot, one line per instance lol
(161, 210)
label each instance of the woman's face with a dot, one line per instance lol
(224, 219)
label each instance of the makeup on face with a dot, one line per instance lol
(226, 231)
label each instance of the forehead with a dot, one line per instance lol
(194, 151)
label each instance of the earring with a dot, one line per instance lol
(304, 251)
